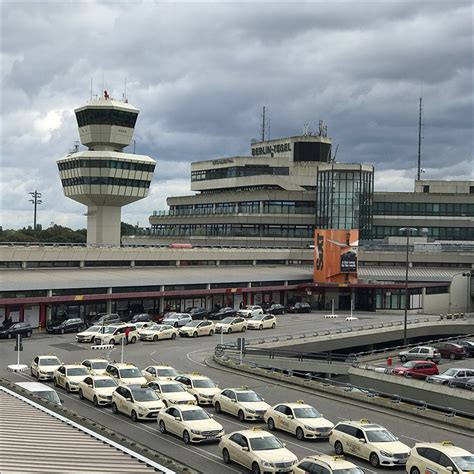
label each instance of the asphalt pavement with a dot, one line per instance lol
(188, 355)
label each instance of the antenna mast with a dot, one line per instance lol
(263, 124)
(419, 141)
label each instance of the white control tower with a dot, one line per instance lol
(104, 178)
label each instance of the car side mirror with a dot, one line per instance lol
(361, 440)
(244, 448)
(177, 418)
(128, 399)
(89, 385)
(211, 415)
(290, 417)
(450, 468)
(61, 400)
(233, 400)
(284, 445)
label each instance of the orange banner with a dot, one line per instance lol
(335, 255)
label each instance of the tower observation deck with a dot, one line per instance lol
(104, 178)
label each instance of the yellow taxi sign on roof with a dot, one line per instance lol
(300, 401)
(339, 458)
(195, 373)
(447, 443)
(257, 428)
(244, 387)
(191, 402)
(364, 421)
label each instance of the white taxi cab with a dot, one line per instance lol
(114, 334)
(368, 441)
(43, 366)
(439, 458)
(243, 403)
(171, 392)
(95, 366)
(191, 423)
(98, 389)
(68, 376)
(298, 418)
(143, 326)
(158, 331)
(197, 328)
(137, 402)
(229, 325)
(125, 374)
(159, 372)
(262, 321)
(257, 450)
(89, 334)
(202, 388)
(326, 464)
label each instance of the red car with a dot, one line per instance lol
(416, 369)
(452, 351)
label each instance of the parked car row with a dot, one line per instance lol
(448, 350)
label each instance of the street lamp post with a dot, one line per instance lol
(407, 231)
(36, 201)
(468, 289)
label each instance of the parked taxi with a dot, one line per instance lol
(241, 402)
(68, 376)
(98, 389)
(89, 334)
(262, 321)
(368, 441)
(326, 464)
(298, 418)
(137, 402)
(125, 374)
(257, 450)
(230, 325)
(203, 388)
(171, 392)
(157, 332)
(95, 366)
(197, 328)
(191, 423)
(43, 366)
(159, 372)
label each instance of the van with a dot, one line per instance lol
(41, 390)
(114, 334)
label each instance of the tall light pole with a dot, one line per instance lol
(468, 295)
(407, 231)
(36, 201)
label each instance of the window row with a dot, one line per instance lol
(106, 117)
(110, 164)
(441, 233)
(105, 180)
(233, 230)
(238, 172)
(423, 209)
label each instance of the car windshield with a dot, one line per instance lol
(193, 324)
(171, 388)
(94, 329)
(249, 397)
(109, 330)
(166, 372)
(198, 414)
(77, 371)
(102, 383)
(265, 443)
(203, 383)
(380, 436)
(130, 373)
(350, 470)
(258, 317)
(466, 463)
(227, 320)
(144, 395)
(409, 365)
(156, 327)
(49, 361)
(99, 365)
(50, 395)
(308, 412)
(450, 372)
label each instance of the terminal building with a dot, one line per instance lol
(249, 231)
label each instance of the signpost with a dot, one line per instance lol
(18, 348)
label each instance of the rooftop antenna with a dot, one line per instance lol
(91, 88)
(76, 147)
(333, 159)
(125, 91)
(263, 124)
(269, 124)
(102, 81)
(418, 174)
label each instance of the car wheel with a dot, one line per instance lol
(195, 334)
(271, 424)
(133, 340)
(175, 325)
(403, 358)
(243, 329)
(299, 434)
(273, 326)
(28, 334)
(241, 415)
(217, 407)
(338, 448)
(155, 337)
(68, 388)
(225, 456)
(134, 415)
(429, 359)
(211, 333)
(96, 401)
(162, 427)
(112, 341)
(186, 438)
(407, 375)
(173, 336)
(414, 470)
(114, 409)
(81, 395)
(55, 382)
(255, 468)
(452, 356)
(229, 331)
(62, 331)
(31, 372)
(9, 335)
(260, 327)
(374, 460)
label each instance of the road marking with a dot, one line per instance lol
(188, 356)
(153, 353)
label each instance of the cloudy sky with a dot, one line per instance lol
(201, 72)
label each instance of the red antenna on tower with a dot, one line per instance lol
(106, 95)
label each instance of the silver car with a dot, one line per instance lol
(420, 353)
(451, 374)
(178, 319)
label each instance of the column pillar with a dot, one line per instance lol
(21, 315)
(109, 302)
(49, 294)
(161, 302)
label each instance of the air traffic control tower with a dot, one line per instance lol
(104, 178)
